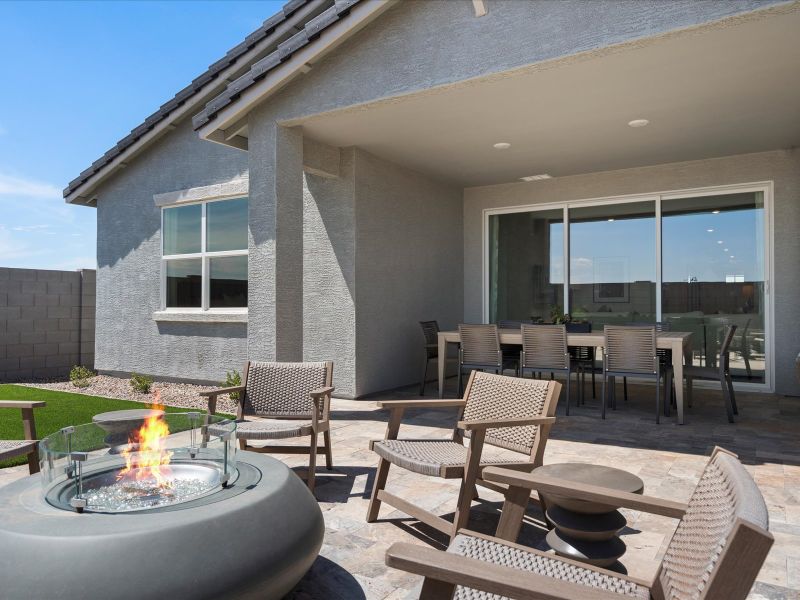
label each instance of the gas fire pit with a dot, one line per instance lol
(177, 512)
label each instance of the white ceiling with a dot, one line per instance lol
(712, 92)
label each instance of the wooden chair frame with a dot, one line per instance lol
(471, 472)
(29, 431)
(732, 578)
(320, 422)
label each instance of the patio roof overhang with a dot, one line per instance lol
(728, 87)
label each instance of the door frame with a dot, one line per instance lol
(766, 188)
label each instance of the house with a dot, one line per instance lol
(354, 167)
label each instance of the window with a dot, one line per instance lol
(204, 255)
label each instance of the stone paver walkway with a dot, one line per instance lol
(669, 458)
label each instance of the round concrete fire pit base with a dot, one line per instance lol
(255, 538)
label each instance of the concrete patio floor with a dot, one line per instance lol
(669, 458)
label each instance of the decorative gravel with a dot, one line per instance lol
(184, 395)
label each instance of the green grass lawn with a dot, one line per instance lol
(62, 409)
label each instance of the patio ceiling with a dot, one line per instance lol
(710, 91)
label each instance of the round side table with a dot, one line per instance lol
(120, 424)
(582, 530)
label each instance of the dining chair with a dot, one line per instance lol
(721, 373)
(544, 349)
(664, 354)
(583, 357)
(630, 351)
(430, 332)
(480, 349)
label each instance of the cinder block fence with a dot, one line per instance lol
(46, 322)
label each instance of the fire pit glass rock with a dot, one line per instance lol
(169, 459)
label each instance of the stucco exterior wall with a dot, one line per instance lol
(128, 259)
(409, 268)
(420, 44)
(781, 167)
(329, 272)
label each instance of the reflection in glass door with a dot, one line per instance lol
(526, 265)
(713, 272)
(612, 273)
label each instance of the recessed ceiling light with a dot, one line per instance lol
(710, 230)
(724, 249)
(719, 241)
(502, 146)
(639, 123)
(611, 220)
(732, 256)
(536, 177)
(714, 212)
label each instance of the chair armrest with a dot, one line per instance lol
(492, 424)
(493, 579)
(582, 491)
(221, 391)
(22, 404)
(392, 404)
(323, 395)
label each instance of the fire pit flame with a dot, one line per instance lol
(146, 456)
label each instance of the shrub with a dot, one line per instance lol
(141, 383)
(80, 376)
(232, 379)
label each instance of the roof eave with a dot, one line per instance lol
(84, 194)
(223, 125)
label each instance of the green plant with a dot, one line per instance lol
(232, 379)
(141, 383)
(558, 317)
(80, 376)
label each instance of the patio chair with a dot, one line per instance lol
(507, 412)
(583, 356)
(28, 446)
(430, 331)
(295, 399)
(544, 349)
(664, 354)
(480, 349)
(721, 373)
(631, 352)
(721, 542)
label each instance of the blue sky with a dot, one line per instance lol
(77, 77)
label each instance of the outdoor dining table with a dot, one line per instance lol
(677, 341)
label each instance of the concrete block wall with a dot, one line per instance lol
(46, 322)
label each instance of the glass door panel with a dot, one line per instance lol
(526, 265)
(713, 275)
(612, 273)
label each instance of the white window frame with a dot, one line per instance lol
(764, 187)
(204, 257)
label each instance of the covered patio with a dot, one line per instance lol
(668, 458)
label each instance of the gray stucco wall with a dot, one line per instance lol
(329, 272)
(46, 322)
(409, 268)
(128, 259)
(419, 44)
(781, 167)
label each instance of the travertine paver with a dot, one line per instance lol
(669, 458)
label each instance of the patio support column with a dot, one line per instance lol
(275, 267)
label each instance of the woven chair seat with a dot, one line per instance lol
(428, 457)
(533, 561)
(12, 448)
(272, 429)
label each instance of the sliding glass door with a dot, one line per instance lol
(714, 276)
(612, 263)
(695, 261)
(526, 265)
